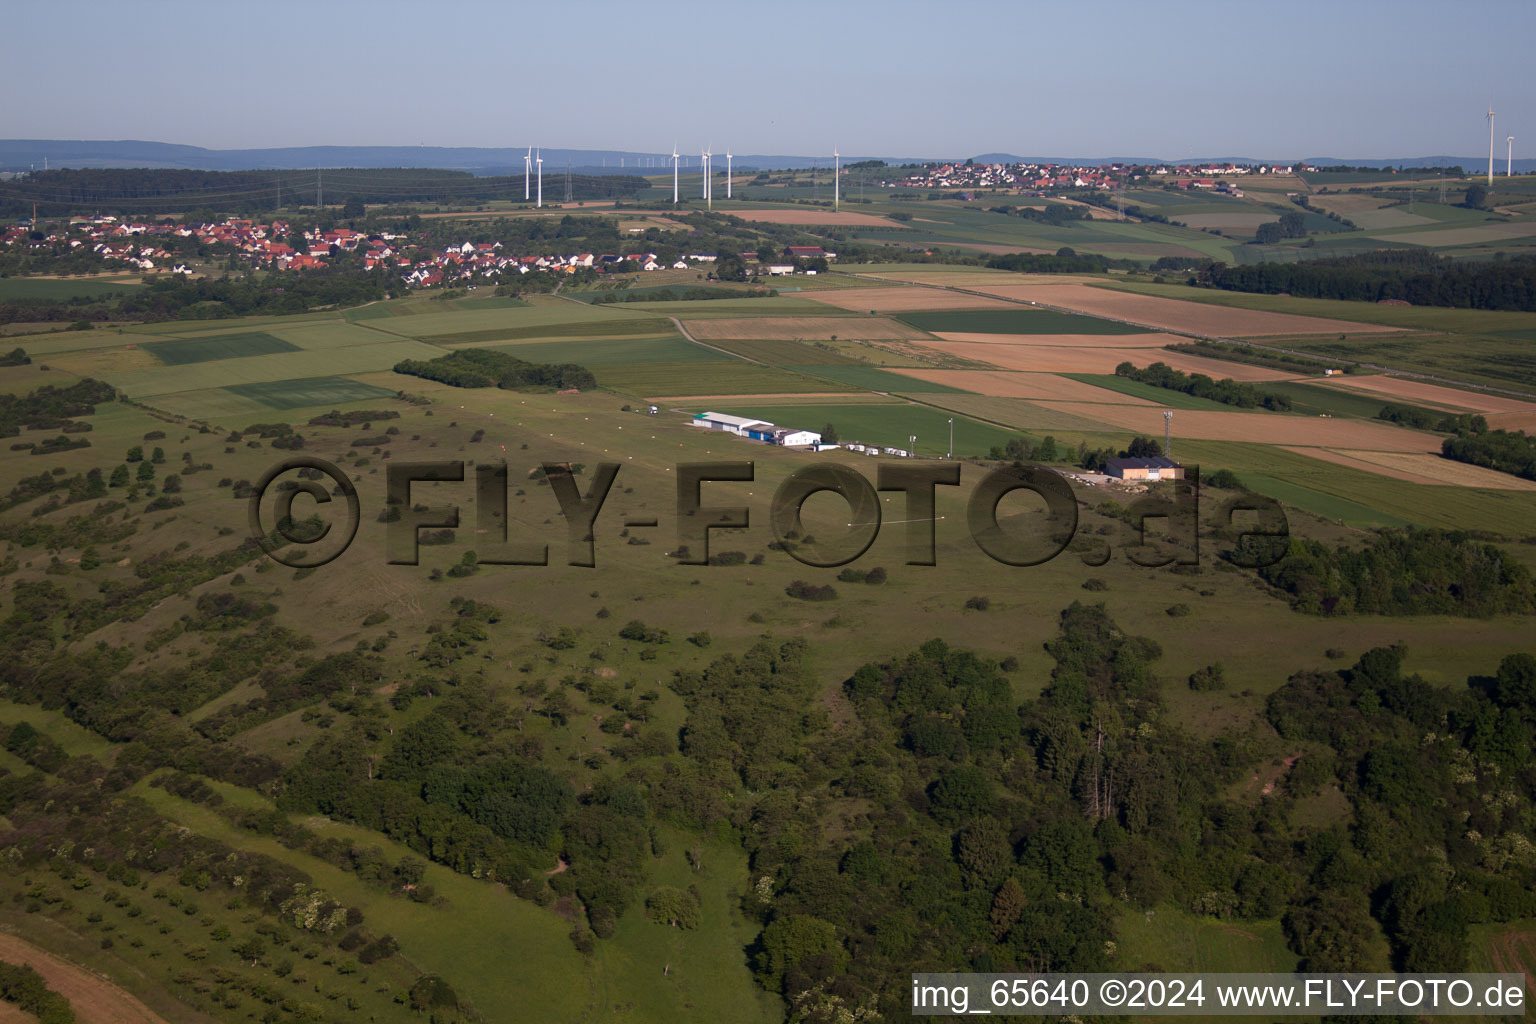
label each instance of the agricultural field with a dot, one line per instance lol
(804, 328)
(1014, 321)
(218, 346)
(66, 287)
(585, 761)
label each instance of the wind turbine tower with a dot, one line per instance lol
(527, 170)
(540, 161)
(1490, 146)
(728, 169)
(1168, 433)
(674, 174)
(835, 183)
(1509, 167)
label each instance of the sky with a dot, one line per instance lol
(940, 78)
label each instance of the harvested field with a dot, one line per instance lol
(1012, 384)
(1263, 427)
(1475, 235)
(94, 1000)
(1420, 393)
(971, 278)
(1176, 315)
(900, 300)
(1089, 353)
(814, 217)
(1422, 468)
(794, 328)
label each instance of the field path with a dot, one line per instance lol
(688, 336)
(95, 999)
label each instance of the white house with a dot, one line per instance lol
(797, 438)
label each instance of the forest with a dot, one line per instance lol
(1415, 276)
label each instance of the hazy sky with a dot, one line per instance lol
(1342, 78)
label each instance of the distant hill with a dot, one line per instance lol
(25, 154)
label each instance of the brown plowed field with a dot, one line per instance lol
(1176, 314)
(792, 328)
(1006, 384)
(95, 1000)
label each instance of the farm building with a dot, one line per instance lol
(739, 425)
(1150, 469)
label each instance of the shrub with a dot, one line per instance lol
(810, 592)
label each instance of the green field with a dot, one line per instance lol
(876, 379)
(712, 377)
(306, 391)
(608, 351)
(888, 425)
(54, 288)
(217, 346)
(1014, 321)
(782, 353)
(579, 329)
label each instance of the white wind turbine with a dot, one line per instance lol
(727, 174)
(527, 162)
(835, 182)
(1490, 145)
(1509, 167)
(674, 174)
(540, 161)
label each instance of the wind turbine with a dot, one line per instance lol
(540, 161)
(674, 174)
(527, 161)
(1490, 145)
(835, 182)
(728, 171)
(1509, 168)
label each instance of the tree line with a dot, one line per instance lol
(1226, 391)
(1413, 276)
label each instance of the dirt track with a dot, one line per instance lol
(95, 1000)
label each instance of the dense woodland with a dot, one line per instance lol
(1414, 276)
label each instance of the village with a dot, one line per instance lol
(1040, 177)
(164, 247)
